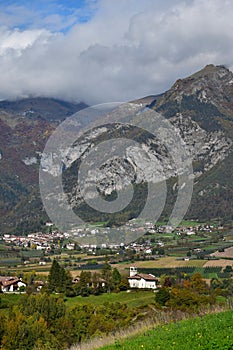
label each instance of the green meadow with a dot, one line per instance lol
(132, 299)
(210, 332)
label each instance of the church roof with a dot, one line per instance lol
(145, 276)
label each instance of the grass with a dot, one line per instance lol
(8, 300)
(3, 247)
(190, 223)
(132, 299)
(168, 262)
(213, 331)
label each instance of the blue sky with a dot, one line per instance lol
(50, 14)
(108, 50)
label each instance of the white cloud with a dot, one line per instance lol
(127, 50)
(17, 41)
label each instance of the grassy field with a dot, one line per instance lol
(162, 262)
(7, 301)
(210, 332)
(132, 299)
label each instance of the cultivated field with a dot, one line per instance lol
(228, 253)
(168, 262)
(221, 262)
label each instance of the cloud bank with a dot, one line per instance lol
(125, 50)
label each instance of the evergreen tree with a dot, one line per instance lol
(116, 276)
(107, 276)
(59, 279)
(84, 283)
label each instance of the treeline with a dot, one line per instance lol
(192, 293)
(190, 270)
(108, 280)
(43, 322)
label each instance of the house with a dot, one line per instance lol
(39, 285)
(99, 282)
(10, 284)
(141, 280)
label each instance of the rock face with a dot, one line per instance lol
(199, 107)
(212, 84)
(206, 148)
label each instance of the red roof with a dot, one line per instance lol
(8, 280)
(144, 276)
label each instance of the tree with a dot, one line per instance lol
(54, 276)
(59, 279)
(124, 284)
(167, 281)
(27, 333)
(162, 296)
(107, 276)
(228, 269)
(116, 276)
(83, 287)
(198, 284)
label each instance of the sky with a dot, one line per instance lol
(108, 50)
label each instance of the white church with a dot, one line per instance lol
(141, 280)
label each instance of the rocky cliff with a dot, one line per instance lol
(198, 107)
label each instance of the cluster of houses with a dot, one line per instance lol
(46, 241)
(10, 284)
(37, 240)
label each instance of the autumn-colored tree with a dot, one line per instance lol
(45, 305)
(198, 284)
(167, 281)
(124, 284)
(27, 332)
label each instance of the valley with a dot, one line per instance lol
(82, 273)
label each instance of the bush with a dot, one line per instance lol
(162, 296)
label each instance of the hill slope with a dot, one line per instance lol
(207, 333)
(25, 127)
(206, 98)
(199, 106)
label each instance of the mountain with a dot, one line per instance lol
(49, 109)
(25, 127)
(199, 107)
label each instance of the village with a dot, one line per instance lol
(148, 271)
(54, 239)
(191, 246)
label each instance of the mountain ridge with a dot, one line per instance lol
(199, 106)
